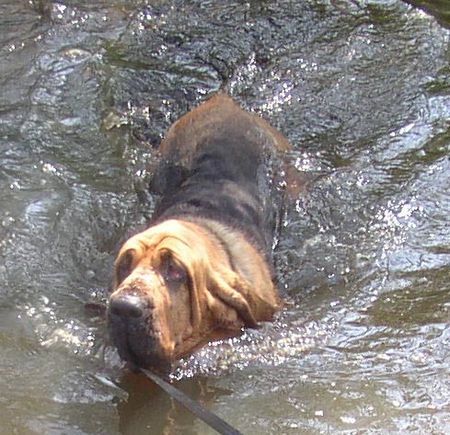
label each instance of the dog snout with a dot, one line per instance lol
(128, 306)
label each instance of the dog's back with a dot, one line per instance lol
(214, 167)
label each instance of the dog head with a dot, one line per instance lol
(174, 290)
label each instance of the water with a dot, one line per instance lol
(362, 90)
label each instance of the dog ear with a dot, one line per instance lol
(233, 291)
(226, 294)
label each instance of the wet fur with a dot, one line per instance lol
(214, 221)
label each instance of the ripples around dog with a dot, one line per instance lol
(361, 89)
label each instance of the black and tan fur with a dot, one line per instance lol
(202, 270)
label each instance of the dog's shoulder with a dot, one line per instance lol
(216, 131)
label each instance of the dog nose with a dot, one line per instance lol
(127, 306)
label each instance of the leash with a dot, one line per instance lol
(196, 408)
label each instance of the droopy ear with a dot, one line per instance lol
(233, 291)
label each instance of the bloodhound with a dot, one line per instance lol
(202, 270)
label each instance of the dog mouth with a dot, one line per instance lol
(136, 346)
(136, 361)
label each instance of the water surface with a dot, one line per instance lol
(361, 89)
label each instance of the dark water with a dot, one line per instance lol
(362, 90)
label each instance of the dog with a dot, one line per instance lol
(202, 270)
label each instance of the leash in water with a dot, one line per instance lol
(200, 411)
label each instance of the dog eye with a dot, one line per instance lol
(172, 271)
(123, 268)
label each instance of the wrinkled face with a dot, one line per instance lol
(150, 311)
(174, 290)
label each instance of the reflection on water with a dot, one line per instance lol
(361, 88)
(438, 8)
